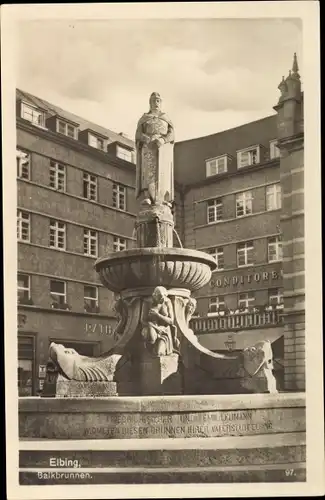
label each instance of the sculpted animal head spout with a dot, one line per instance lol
(155, 101)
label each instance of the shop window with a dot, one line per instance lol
(91, 299)
(25, 366)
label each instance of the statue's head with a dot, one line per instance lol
(191, 306)
(155, 101)
(159, 294)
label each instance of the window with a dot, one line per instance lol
(23, 226)
(247, 157)
(245, 254)
(275, 297)
(58, 291)
(25, 377)
(119, 193)
(217, 253)
(57, 176)
(57, 234)
(23, 288)
(214, 211)
(245, 300)
(23, 164)
(124, 154)
(32, 114)
(273, 197)
(66, 129)
(216, 303)
(119, 244)
(90, 242)
(91, 298)
(95, 142)
(90, 187)
(26, 354)
(244, 203)
(216, 166)
(274, 249)
(274, 150)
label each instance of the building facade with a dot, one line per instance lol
(75, 201)
(238, 196)
(241, 195)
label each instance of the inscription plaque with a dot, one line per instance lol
(184, 424)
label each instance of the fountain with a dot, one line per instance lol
(155, 355)
(158, 381)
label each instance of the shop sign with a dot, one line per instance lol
(99, 328)
(243, 280)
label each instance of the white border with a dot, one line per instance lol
(309, 13)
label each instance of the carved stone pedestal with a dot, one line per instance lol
(75, 389)
(160, 375)
(155, 226)
(155, 350)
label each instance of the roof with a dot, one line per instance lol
(190, 155)
(52, 110)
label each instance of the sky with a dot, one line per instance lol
(212, 74)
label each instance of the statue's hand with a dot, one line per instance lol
(146, 139)
(159, 141)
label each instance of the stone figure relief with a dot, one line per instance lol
(258, 361)
(121, 316)
(190, 309)
(74, 366)
(154, 138)
(158, 329)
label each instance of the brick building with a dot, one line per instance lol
(240, 199)
(75, 199)
(238, 194)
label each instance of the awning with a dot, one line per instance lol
(239, 339)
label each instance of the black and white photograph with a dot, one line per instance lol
(162, 288)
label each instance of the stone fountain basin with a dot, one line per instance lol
(150, 267)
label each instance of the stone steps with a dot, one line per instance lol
(268, 458)
(161, 417)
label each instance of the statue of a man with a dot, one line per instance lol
(154, 165)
